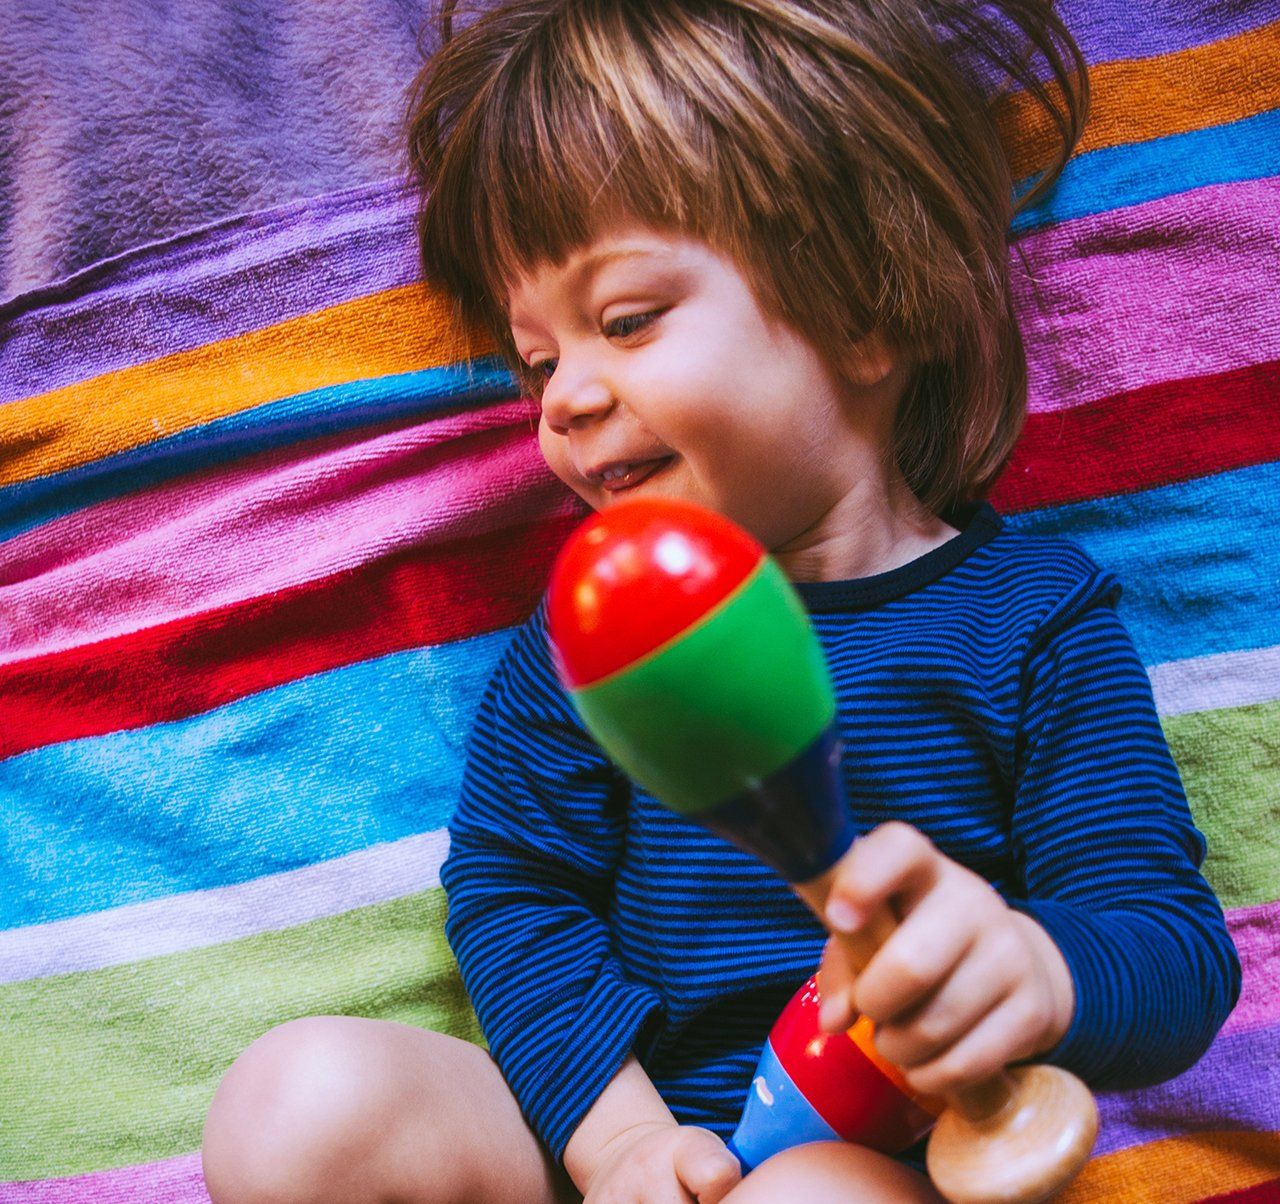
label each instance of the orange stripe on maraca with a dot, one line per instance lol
(862, 1034)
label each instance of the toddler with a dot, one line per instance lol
(752, 253)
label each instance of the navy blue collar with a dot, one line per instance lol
(975, 524)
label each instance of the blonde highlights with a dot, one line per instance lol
(837, 150)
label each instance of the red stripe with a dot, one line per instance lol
(1260, 1193)
(196, 663)
(1167, 432)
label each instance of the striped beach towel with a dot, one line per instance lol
(267, 517)
(1149, 287)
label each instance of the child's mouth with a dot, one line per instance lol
(619, 478)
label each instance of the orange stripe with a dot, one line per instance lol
(1140, 99)
(862, 1034)
(400, 330)
(1178, 1170)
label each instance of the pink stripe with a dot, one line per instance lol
(1188, 285)
(174, 1181)
(278, 520)
(1254, 931)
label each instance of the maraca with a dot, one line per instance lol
(693, 664)
(812, 1085)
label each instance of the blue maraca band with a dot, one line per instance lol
(787, 819)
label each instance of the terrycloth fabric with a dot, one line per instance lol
(1148, 289)
(266, 517)
(122, 122)
(263, 537)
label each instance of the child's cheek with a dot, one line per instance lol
(555, 452)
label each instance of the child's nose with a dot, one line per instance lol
(574, 398)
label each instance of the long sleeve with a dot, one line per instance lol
(1111, 857)
(533, 847)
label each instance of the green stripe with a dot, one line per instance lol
(1230, 765)
(114, 1067)
(736, 698)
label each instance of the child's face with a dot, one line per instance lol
(664, 377)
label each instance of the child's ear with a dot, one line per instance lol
(871, 359)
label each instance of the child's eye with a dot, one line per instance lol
(544, 368)
(629, 324)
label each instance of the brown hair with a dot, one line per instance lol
(839, 150)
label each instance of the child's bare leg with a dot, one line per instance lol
(831, 1172)
(350, 1111)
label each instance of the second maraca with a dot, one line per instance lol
(692, 662)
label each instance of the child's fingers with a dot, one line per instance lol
(979, 983)
(926, 947)
(837, 981)
(894, 860)
(1008, 1033)
(705, 1167)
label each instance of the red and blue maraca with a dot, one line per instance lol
(693, 664)
(812, 1085)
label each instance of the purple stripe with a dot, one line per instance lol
(1235, 1087)
(174, 1181)
(210, 283)
(213, 283)
(1107, 30)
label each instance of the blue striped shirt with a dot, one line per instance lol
(988, 694)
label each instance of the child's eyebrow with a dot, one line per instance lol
(590, 267)
(581, 275)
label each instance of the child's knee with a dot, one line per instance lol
(292, 1114)
(831, 1172)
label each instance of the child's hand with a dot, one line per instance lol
(663, 1163)
(963, 986)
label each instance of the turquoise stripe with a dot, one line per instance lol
(295, 775)
(1199, 561)
(309, 415)
(1118, 176)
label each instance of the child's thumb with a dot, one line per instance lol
(705, 1167)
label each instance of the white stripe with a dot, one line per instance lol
(1215, 683)
(226, 913)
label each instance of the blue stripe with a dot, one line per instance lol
(1116, 177)
(787, 1119)
(295, 775)
(1199, 560)
(274, 424)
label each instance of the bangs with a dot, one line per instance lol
(599, 110)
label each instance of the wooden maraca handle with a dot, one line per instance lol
(1017, 1137)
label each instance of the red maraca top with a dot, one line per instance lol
(645, 571)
